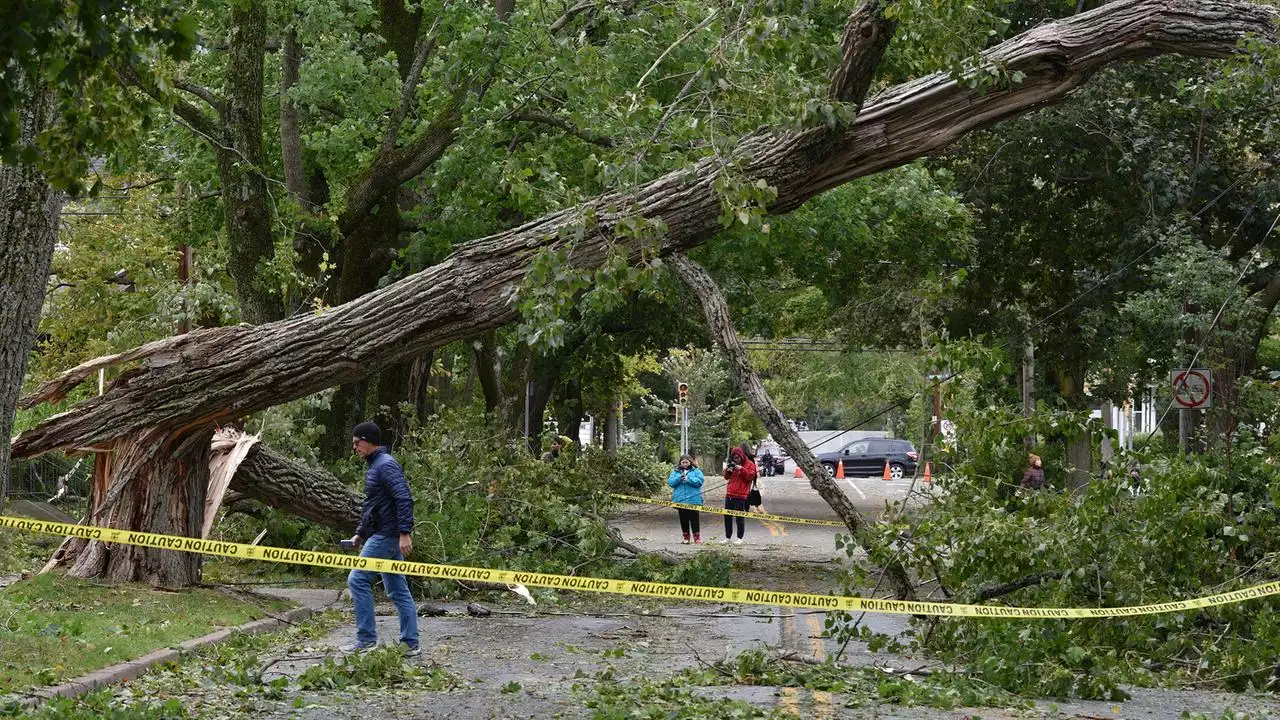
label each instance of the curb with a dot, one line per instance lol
(132, 669)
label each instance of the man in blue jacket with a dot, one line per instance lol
(385, 531)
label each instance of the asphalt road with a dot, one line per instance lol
(658, 528)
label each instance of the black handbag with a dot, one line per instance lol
(753, 497)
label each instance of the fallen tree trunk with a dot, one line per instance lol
(720, 325)
(290, 486)
(219, 374)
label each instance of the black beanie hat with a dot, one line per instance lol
(369, 432)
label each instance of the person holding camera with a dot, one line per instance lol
(741, 474)
(686, 481)
(385, 531)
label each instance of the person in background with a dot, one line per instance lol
(385, 531)
(740, 473)
(686, 488)
(557, 445)
(1033, 476)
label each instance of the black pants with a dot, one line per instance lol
(734, 504)
(688, 521)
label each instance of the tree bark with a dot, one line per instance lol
(29, 212)
(195, 379)
(1079, 461)
(420, 386)
(240, 167)
(720, 325)
(611, 421)
(295, 177)
(158, 485)
(347, 409)
(488, 366)
(393, 389)
(292, 487)
(866, 36)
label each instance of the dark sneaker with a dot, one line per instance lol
(356, 647)
(411, 650)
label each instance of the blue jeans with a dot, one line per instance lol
(360, 582)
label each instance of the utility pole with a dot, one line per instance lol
(682, 411)
(937, 409)
(1028, 384)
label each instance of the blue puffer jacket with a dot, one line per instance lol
(688, 489)
(388, 506)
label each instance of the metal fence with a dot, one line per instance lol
(44, 477)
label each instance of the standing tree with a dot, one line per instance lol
(55, 110)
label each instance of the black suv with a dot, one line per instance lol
(866, 457)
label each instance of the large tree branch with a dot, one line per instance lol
(287, 485)
(408, 90)
(568, 127)
(201, 92)
(720, 325)
(570, 14)
(866, 35)
(402, 164)
(193, 116)
(222, 373)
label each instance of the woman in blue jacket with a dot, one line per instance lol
(686, 488)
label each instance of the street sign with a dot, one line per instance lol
(1192, 388)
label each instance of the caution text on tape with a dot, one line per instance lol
(737, 596)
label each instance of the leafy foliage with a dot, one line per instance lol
(72, 48)
(1185, 529)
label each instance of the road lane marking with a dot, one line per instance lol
(822, 705)
(856, 488)
(789, 701)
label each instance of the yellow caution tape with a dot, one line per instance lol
(735, 596)
(735, 513)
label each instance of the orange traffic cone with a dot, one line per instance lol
(799, 473)
(928, 473)
(886, 470)
(840, 470)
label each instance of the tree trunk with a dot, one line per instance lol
(444, 382)
(611, 422)
(29, 212)
(420, 386)
(546, 375)
(292, 487)
(347, 409)
(295, 177)
(240, 168)
(1079, 461)
(488, 364)
(195, 378)
(720, 325)
(158, 485)
(393, 389)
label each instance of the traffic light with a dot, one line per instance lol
(682, 393)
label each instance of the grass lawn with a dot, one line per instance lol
(54, 628)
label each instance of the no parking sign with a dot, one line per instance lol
(1192, 388)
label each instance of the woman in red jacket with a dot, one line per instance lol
(740, 473)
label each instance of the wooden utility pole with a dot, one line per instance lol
(1028, 385)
